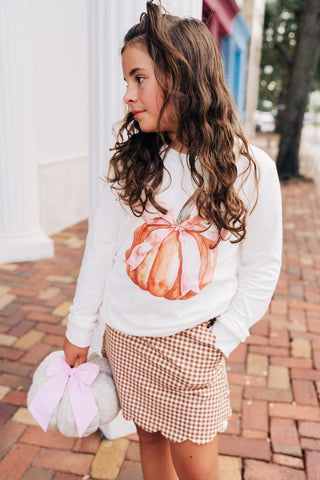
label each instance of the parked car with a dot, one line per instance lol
(264, 122)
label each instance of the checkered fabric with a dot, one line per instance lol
(176, 384)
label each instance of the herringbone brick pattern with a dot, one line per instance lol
(274, 377)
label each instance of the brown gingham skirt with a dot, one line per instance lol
(176, 384)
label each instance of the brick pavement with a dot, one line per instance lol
(274, 377)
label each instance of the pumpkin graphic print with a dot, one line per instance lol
(172, 258)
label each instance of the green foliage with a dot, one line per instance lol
(279, 42)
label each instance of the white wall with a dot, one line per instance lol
(63, 193)
(59, 39)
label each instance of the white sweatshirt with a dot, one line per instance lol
(156, 275)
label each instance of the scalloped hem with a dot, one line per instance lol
(179, 439)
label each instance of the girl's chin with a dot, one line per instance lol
(147, 128)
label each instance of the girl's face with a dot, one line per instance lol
(144, 95)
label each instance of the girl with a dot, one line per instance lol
(184, 253)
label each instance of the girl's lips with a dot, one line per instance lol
(136, 113)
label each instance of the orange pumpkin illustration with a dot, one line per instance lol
(172, 259)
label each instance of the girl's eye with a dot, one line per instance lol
(139, 79)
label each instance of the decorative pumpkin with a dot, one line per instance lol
(172, 259)
(75, 401)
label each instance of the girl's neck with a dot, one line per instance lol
(176, 145)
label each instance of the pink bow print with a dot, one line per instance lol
(82, 400)
(191, 260)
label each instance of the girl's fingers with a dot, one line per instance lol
(75, 356)
(70, 360)
(81, 358)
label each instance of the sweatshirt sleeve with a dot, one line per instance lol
(97, 261)
(260, 261)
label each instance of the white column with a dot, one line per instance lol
(108, 23)
(21, 237)
(254, 13)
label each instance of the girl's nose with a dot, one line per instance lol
(130, 95)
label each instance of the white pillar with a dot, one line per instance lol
(253, 11)
(108, 23)
(21, 237)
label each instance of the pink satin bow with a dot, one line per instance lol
(191, 260)
(82, 401)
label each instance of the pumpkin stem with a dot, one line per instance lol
(186, 209)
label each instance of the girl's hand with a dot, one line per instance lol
(72, 353)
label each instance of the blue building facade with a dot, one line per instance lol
(229, 29)
(234, 53)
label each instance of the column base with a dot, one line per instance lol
(23, 248)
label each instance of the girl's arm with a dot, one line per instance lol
(260, 262)
(97, 261)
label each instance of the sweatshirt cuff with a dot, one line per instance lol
(79, 335)
(225, 340)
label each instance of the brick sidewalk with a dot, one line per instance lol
(274, 377)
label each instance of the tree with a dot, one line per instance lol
(279, 42)
(301, 74)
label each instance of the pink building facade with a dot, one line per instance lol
(218, 16)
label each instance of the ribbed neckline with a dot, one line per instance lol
(175, 154)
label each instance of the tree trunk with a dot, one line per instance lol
(281, 112)
(304, 65)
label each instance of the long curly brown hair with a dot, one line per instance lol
(189, 70)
